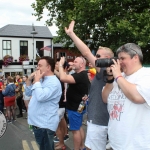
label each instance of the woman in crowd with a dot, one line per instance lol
(1, 95)
(25, 98)
(9, 92)
(19, 96)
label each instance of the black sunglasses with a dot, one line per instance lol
(97, 55)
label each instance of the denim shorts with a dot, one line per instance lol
(75, 119)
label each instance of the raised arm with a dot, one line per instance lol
(56, 73)
(83, 48)
(66, 78)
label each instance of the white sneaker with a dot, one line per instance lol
(108, 146)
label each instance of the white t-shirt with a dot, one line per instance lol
(129, 123)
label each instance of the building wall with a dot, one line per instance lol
(70, 54)
(15, 46)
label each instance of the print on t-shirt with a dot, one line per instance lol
(116, 102)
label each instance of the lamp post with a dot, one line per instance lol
(33, 32)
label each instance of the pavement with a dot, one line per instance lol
(22, 125)
(69, 143)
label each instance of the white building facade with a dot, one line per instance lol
(23, 40)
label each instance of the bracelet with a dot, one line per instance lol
(60, 65)
(117, 78)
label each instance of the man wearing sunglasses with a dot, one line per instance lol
(97, 110)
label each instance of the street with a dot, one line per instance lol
(18, 136)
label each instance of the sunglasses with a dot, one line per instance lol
(97, 55)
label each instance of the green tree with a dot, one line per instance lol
(108, 23)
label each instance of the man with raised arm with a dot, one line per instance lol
(97, 110)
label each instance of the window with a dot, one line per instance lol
(23, 47)
(62, 54)
(39, 45)
(6, 47)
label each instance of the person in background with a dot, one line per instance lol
(45, 95)
(18, 80)
(9, 91)
(61, 133)
(25, 97)
(1, 95)
(19, 96)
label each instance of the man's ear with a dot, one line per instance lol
(49, 67)
(136, 57)
(81, 65)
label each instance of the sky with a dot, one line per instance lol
(19, 12)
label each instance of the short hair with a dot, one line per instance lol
(17, 74)
(132, 49)
(50, 61)
(25, 76)
(108, 51)
(10, 79)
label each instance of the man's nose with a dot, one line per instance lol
(37, 68)
(120, 60)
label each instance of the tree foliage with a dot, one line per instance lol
(108, 23)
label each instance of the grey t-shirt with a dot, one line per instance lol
(97, 109)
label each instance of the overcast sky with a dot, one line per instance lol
(19, 12)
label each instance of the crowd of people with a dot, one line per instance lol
(118, 99)
(12, 96)
(125, 92)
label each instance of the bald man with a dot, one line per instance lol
(78, 87)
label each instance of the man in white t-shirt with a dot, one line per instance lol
(128, 100)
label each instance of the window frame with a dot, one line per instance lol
(6, 49)
(23, 46)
